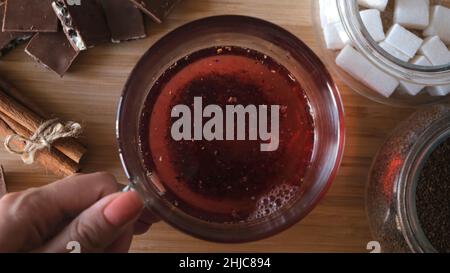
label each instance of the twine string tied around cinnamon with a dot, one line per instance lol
(47, 133)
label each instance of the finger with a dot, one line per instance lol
(144, 222)
(123, 243)
(66, 199)
(36, 214)
(72, 195)
(140, 228)
(99, 226)
(147, 217)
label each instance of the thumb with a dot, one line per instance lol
(98, 227)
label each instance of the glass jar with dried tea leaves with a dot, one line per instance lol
(408, 193)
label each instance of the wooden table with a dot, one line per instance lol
(90, 91)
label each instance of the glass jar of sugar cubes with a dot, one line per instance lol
(407, 192)
(394, 52)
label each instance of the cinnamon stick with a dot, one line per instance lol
(53, 160)
(31, 121)
(16, 127)
(16, 94)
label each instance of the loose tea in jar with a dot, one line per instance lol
(408, 193)
(433, 197)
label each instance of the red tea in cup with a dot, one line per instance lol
(227, 135)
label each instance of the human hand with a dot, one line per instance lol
(87, 209)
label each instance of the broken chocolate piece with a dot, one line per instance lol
(53, 51)
(157, 9)
(3, 190)
(9, 40)
(30, 16)
(84, 23)
(125, 21)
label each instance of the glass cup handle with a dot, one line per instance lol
(128, 188)
(147, 217)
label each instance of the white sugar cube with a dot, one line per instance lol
(439, 91)
(374, 4)
(329, 13)
(435, 51)
(335, 36)
(394, 52)
(403, 40)
(421, 60)
(411, 88)
(381, 82)
(355, 64)
(439, 23)
(412, 13)
(372, 21)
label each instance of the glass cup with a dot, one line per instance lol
(287, 50)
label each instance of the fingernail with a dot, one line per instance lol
(126, 207)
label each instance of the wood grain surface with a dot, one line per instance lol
(89, 94)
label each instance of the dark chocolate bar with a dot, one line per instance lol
(83, 22)
(9, 40)
(53, 51)
(156, 9)
(30, 16)
(125, 21)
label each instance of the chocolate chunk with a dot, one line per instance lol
(53, 51)
(3, 190)
(83, 22)
(30, 16)
(157, 9)
(9, 40)
(125, 21)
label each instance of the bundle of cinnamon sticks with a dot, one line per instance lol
(20, 116)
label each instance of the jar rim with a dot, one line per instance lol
(362, 40)
(409, 175)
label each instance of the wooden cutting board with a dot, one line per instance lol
(89, 93)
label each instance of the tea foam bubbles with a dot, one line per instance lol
(274, 200)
